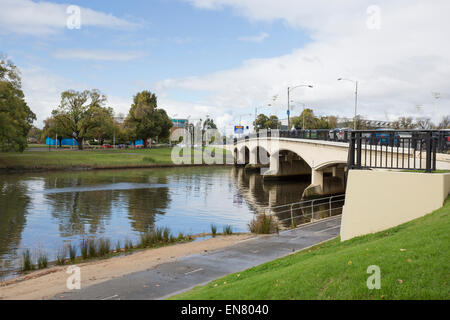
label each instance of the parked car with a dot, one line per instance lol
(344, 134)
(107, 146)
(333, 134)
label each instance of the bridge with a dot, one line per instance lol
(318, 154)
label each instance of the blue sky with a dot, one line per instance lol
(225, 57)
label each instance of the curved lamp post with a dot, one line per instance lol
(289, 89)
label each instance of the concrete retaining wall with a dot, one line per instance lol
(379, 200)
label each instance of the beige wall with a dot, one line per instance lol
(379, 200)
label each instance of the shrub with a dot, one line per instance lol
(42, 260)
(227, 230)
(72, 252)
(213, 230)
(92, 248)
(84, 246)
(166, 235)
(263, 224)
(61, 256)
(27, 264)
(104, 247)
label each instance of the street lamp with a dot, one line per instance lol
(289, 89)
(356, 99)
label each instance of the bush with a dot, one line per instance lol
(27, 264)
(213, 230)
(61, 256)
(227, 230)
(104, 247)
(42, 260)
(72, 252)
(84, 248)
(263, 224)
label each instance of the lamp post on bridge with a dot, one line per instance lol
(289, 89)
(356, 99)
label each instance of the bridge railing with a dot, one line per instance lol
(314, 134)
(307, 210)
(394, 149)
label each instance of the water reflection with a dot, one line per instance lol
(46, 210)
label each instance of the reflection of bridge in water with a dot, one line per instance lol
(259, 194)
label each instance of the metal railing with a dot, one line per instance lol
(308, 209)
(441, 137)
(391, 149)
(315, 134)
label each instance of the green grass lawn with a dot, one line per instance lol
(413, 258)
(67, 159)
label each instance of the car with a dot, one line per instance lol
(107, 146)
(333, 134)
(344, 134)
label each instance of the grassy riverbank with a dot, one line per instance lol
(89, 159)
(413, 259)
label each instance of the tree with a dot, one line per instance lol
(404, 123)
(264, 122)
(103, 124)
(260, 122)
(77, 113)
(16, 118)
(445, 123)
(36, 135)
(307, 117)
(209, 124)
(424, 124)
(145, 121)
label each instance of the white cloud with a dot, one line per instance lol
(397, 66)
(99, 55)
(257, 39)
(38, 18)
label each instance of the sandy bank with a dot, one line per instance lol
(51, 282)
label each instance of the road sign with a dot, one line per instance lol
(238, 129)
(289, 112)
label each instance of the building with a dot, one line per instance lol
(179, 123)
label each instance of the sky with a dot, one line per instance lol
(225, 58)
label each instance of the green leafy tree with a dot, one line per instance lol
(145, 121)
(307, 117)
(103, 124)
(260, 122)
(77, 113)
(264, 122)
(16, 118)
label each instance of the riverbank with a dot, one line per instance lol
(413, 261)
(51, 282)
(75, 160)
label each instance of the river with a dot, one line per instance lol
(43, 211)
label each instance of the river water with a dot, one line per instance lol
(45, 211)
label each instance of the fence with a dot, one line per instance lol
(308, 210)
(390, 149)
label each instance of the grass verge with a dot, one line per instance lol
(90, 159)
(413, 259)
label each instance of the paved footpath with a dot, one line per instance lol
(175, 277)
